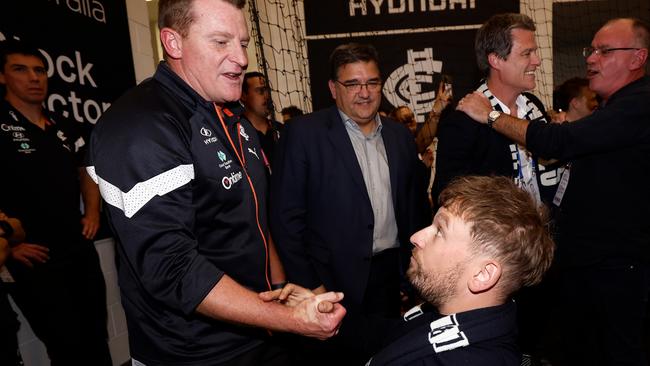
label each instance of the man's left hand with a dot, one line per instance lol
(90, 225)
(290, 295)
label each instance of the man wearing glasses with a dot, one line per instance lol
(344, 199)
(604, 232)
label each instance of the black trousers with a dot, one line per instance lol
(382, 297)
(603, 311)
(65, 303)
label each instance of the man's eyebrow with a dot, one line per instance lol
(442, 219)
(220, 34)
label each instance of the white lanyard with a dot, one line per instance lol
(561, 188)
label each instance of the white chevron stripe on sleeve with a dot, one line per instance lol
(91, 173)
(132, 201)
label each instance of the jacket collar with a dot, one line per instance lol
(189, 97)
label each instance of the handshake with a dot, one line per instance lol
(318, 314)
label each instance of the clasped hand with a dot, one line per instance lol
(320, 315)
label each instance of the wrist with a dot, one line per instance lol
(437, 107)
(491, 117)
(278, 285)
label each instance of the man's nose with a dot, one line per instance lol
(417, 239)
(239, 56)
(364, 92)
(536, 59)
(33, 75)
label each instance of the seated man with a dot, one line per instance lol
(487, 240)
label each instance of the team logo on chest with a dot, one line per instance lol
(231, 179)
(18, 136)
(11, 128)
(207, 133)
(26, 148)
(243, 133)
(225, 162)
(221, 156)
(253, 151)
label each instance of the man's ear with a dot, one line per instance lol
(485, 277)
(639, 59)
(494, 60)
(172, 42)
(573, 104)
(244, 96)
(332, 87)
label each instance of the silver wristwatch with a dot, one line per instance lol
(492, 116)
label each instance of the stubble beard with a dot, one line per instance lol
(436, 289)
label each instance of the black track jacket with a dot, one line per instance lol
(184, 211)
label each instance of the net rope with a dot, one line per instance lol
(564, 27)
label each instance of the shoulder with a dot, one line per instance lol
(277, 125)
(64, 124)
(458, 123)
(395, 127)
(142, 111)
(143, 123)
(631, 94)
(314, 123)
(456, 116)
(319, 116)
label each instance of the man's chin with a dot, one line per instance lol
(414, 276)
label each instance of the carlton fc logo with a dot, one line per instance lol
(405, 84)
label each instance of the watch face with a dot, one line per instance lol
(494, 115)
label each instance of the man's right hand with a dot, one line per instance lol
(30, 254)
(317, 315)
(320, 316)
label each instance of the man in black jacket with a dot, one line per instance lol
(487, 240)
(185, 183)
(59, 285)
(506, 52)
(604, 204)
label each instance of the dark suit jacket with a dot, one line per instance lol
(466, 147)
(321, 217)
